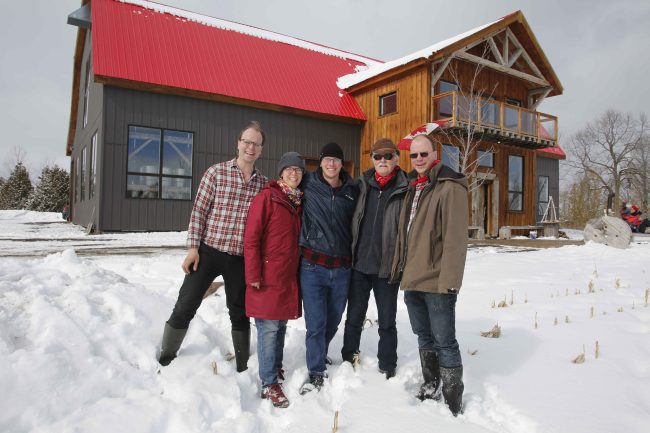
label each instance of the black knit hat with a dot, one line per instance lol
(290, 159)
(333, 150)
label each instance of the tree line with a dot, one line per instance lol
(609, 156)
(50, 194)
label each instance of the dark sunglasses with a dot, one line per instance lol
(422, 155)
(387, 156)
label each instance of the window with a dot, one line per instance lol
(82, 185)
(93, 166)
(542, 194)
(447, 102)
(485, 158)
(76, 181)
(515, 183)
(159, 164)
(87, 93)
(388, 104)
(511, 114)
(451, 156)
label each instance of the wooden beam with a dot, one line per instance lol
(514, 57)
(524, 54)
(490, 64)
(438, 74)
(495, 51)
(544, 94)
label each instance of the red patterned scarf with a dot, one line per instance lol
(383, 180)
(422, 178)
(293, 194)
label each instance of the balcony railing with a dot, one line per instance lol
(502, 118)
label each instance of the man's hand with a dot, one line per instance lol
(191, 262)
(256, 284)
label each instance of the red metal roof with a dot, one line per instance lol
(141, 44)
(556, 152)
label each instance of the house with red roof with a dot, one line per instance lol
(159, 94)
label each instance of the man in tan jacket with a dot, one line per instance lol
(430, 259)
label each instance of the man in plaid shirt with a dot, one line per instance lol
(215, 242)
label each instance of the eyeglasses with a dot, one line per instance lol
(332, 160)
(250, 143)
(387, 156)
(422, 155)
(291, 170)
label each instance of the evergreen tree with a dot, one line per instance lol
(51, 193)
(16, 190)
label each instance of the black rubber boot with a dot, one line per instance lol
(171, 342)
(241, 341)
(452, 388)
(430, 389)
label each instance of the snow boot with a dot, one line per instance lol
(275, 394)
(241, 341)
(315, 382)
(452, 388)
(430, 389)
(171, 342)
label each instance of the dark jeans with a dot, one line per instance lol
(324, 294)
(213, 263)
(433, 320)
(386, 300)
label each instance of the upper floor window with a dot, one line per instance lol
(159, 163)
(451, 156)
(86, 93)
(388, 104)
(447, 102)
(485, 158)
(515, 182)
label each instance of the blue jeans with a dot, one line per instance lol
(386, 300)
(324, 295)
(270, 347)
(433, 320)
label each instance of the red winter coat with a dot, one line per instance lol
(272, 256)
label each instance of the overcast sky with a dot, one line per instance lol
(599, 50)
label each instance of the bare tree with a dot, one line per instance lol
(582, 200)
(639, 183)
(467, 140)
(605, 148)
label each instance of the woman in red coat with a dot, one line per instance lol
(272, 258)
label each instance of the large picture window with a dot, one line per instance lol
(159, 164)
(451, 156)
(515, 183)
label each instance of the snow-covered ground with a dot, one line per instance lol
(80, 334)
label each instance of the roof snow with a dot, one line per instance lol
(249, 30)
(350, 80)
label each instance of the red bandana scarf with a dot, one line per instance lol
(422, 178)
(383, 180)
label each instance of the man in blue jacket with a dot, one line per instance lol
(328, 204)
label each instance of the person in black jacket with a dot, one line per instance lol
(328, 204)
(374, 233)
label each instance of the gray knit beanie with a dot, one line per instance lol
(290, 159)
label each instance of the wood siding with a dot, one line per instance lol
(412, 111)
(215, 126)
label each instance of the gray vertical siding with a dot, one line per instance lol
(84, 210)
(549, 167)
(216, 127)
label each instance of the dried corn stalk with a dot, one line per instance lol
(495, 332)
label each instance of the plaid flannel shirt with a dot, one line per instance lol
(416, 199)
(220, 208)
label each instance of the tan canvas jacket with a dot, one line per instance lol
(431, 257)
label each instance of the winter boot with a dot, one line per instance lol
(241, 341)
(430, 389)
(452, 388)
(315, 382)
(171, 342)
(275, 394)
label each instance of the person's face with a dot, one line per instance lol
(424, 154)
(292, 176)
(384, 166)
(331, 167)
(249, 146)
